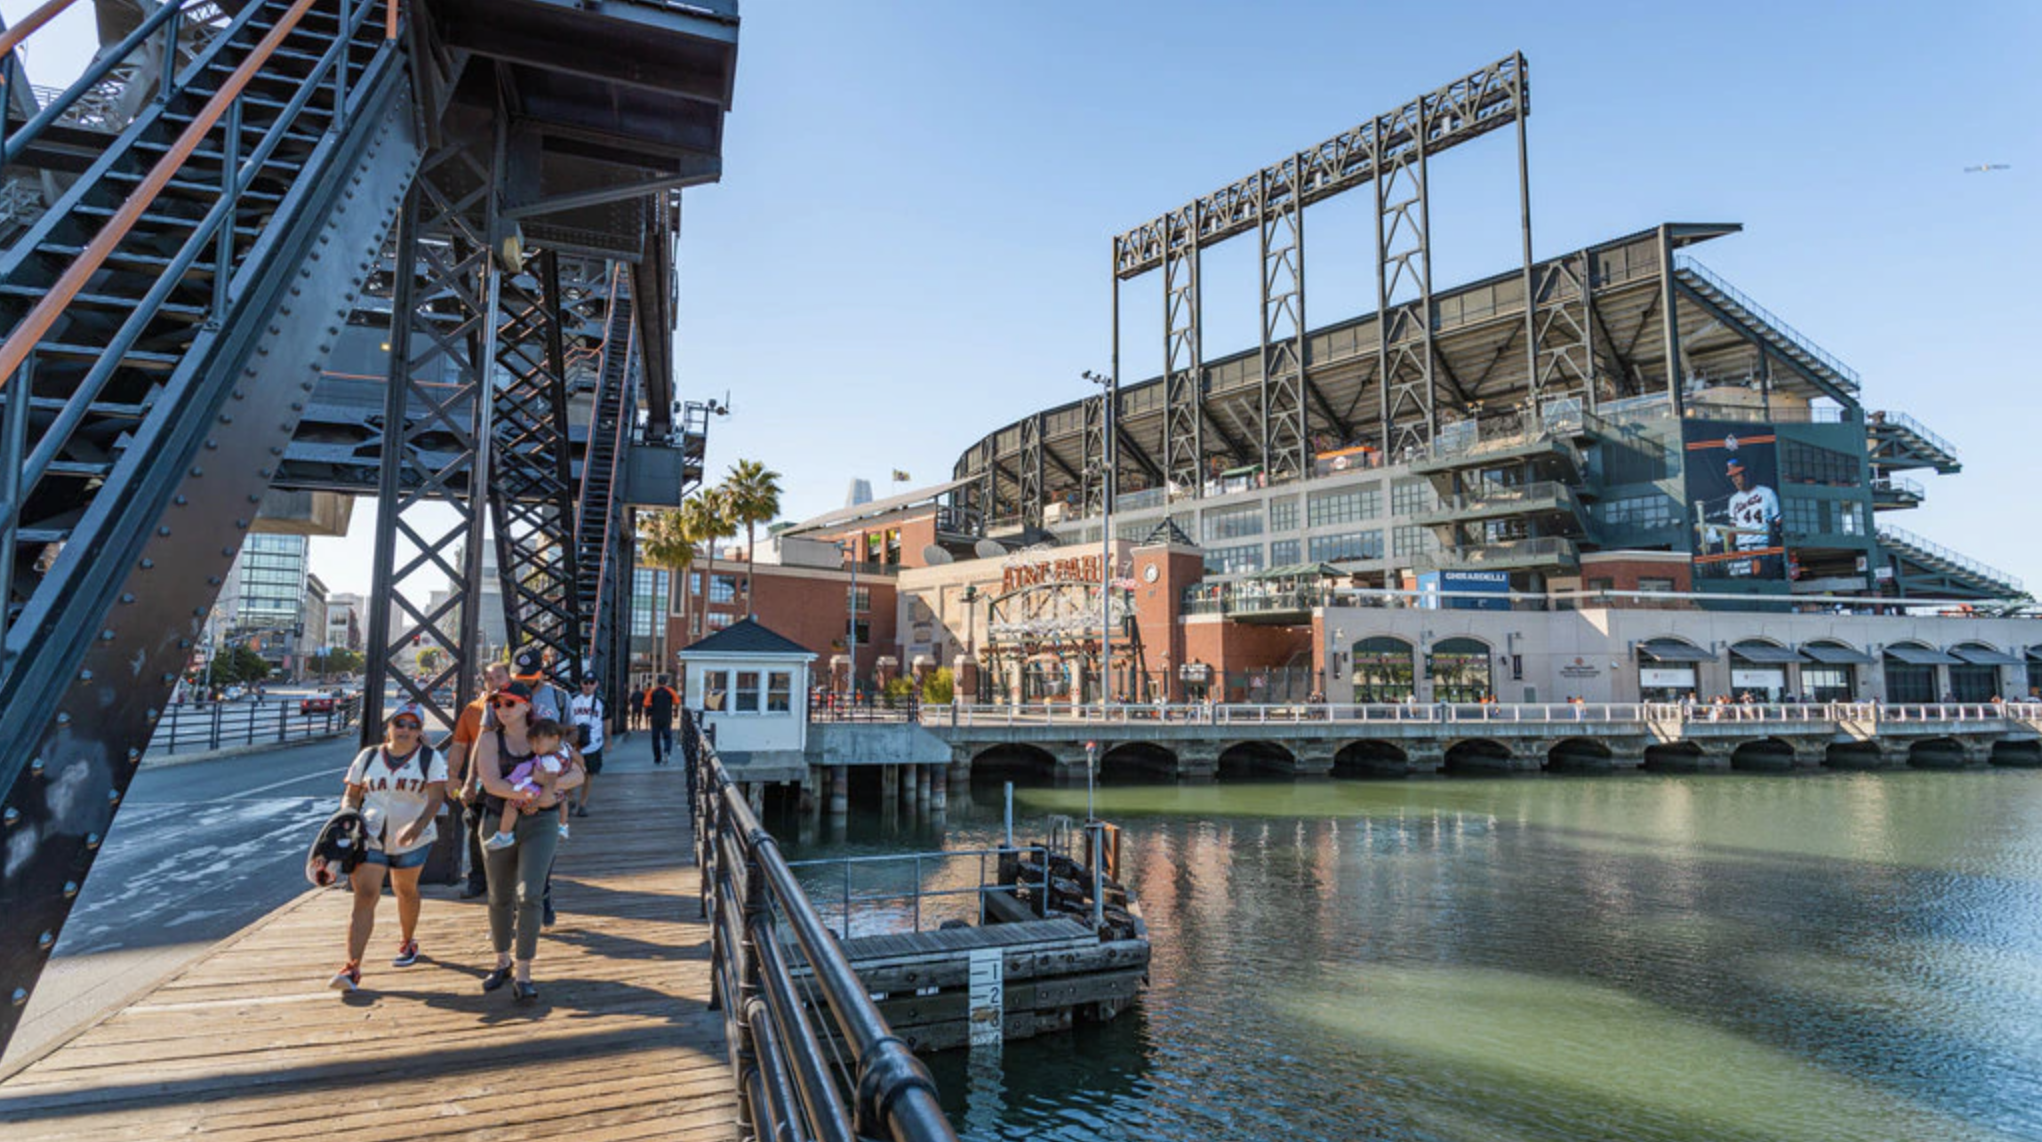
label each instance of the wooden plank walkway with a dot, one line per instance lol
(249, 1044)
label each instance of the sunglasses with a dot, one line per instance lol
(506, 702)
(405, 724)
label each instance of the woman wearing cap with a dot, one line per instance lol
(398, 786)
(517, 874)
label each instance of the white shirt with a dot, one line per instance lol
(397, 794)
(587, 710)
(1754, 511)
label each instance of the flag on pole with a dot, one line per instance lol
(900, 477)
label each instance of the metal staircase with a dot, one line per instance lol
(164, 319)
(1899, 442)
(1783, 338)
(1927, 568)
(602, 537)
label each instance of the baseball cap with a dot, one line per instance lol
(519, 690)
(528, 661)
(1733, 467)
(410, 710)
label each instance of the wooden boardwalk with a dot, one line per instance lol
(249, 1044)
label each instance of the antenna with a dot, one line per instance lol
(989, 548)
(935, 555)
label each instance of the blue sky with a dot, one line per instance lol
(909, 245)
(910, 241)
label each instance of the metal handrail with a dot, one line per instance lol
(212, 228)
(103, 65)
(29, 333)
(1828, 360)
(12, 37)
(1901, 537)
(1463, 713)
(783, 1074)
(1904, 421)
(916, 860)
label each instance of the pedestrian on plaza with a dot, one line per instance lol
(398, 787)
(634, 708)
(589, 716)
(660, 703)
(518, 872)
(464, 782)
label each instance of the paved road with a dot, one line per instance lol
(197, 852)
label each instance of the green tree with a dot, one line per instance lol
(707, 518)
(940, 687)
(345, 661)
(429, 660)
(752, 495)
(249, 666)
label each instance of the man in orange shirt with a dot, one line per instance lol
(462, 781)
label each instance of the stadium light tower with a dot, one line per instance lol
(1111, 391)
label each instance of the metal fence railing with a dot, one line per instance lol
(782, 1022)
(1465, 713)
(189, 727)
(893, 892)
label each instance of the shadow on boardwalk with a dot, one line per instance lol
(249, 1044)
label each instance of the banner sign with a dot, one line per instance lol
(1732, 472)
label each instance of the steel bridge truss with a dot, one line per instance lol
(436, 442)
(1392, 152)
(534, 494)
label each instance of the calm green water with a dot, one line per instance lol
(1627, 958)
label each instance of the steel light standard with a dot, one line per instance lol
(1109, 399)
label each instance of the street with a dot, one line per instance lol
(197, 852)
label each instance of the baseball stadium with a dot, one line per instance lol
(1609, 475)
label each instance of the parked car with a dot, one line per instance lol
(317, 704)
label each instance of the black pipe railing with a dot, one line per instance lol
(792, 1081)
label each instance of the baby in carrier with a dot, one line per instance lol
(534, 778)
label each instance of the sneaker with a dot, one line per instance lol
(407, 954)
(563, 830)
(498, 841)
(348, 978)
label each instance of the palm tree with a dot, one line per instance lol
(707, 519)
(664, 541)
(752, 494)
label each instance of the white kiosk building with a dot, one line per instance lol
(751, 684)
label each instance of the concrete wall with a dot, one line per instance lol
(1592, 654)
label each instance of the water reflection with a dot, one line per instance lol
(1829, 957)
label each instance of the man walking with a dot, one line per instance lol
(634, 709)
(660, 704)
(463, 783)
(586, 709)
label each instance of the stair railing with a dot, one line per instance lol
(214, 230)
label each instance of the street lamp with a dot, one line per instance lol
(1109, 399)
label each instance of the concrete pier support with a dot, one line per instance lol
(840, 790)
(889, 785)
(1198, 761)
(1314, 760)
(939, 788)
(922, 787)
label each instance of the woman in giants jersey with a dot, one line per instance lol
(398, 786)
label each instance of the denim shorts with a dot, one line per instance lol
(413, 859)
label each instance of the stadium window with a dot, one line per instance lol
(718, 620)
(1409, 497)
(1412, 540)
(1346, 546)
(1240, 560)
(1283, 552)
(1283, 516)
(1346, 505)
(1802, 463)
(1664, 585)
(723, 589)
(1233, 523)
